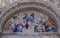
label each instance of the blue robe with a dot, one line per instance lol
(50, 29)
(29, 19)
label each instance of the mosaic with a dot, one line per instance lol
(30, 21)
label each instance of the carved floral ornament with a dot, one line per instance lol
(38, 7)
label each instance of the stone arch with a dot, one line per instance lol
(29, 6)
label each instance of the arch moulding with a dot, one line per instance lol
(34, 6)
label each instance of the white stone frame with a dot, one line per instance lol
(28, 5)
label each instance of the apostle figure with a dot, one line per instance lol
(50, 27)
(39, 28)
(18, 28)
